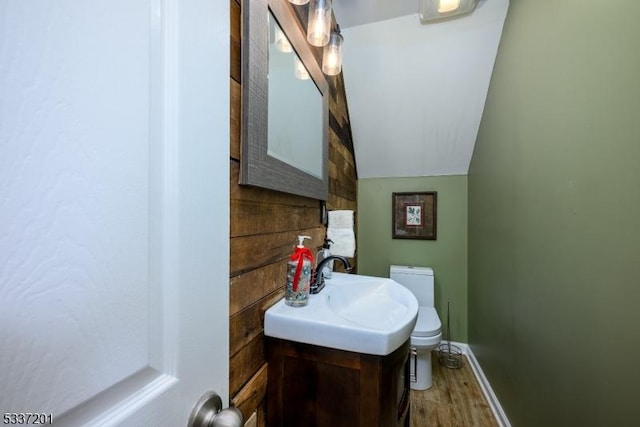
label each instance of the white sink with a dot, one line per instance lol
(364, 314)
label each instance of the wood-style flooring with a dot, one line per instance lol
(454, 400)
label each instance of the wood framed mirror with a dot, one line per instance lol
(285, 119)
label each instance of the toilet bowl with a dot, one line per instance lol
(427, 333)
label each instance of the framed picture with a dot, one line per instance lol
(414, 215)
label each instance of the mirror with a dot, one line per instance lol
(294, 124)
(285, 118)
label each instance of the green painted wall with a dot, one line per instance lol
(447, 255)
(554, 216)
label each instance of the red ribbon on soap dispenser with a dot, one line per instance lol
(299, 255)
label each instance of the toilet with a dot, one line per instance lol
(427, 333)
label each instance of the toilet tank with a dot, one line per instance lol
(418, 280)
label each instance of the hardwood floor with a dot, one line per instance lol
(454, 400)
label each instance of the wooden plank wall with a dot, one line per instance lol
(264, 226)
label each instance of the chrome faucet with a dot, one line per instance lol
(317, 278)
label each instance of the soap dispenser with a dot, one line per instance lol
(299, 275)
(323, 253)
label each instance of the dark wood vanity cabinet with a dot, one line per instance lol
(315, 386)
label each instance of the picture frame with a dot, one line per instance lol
(414, 215)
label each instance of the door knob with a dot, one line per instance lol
(208, 412)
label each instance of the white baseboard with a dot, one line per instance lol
(491, 397)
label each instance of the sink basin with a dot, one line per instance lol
(364, 314)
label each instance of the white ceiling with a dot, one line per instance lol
(350, 13)
(416, 92)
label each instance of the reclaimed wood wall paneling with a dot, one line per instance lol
(264, 226)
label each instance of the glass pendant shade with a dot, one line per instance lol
(282, 42)
(332, 55)
(299, 2)
(433, 10)
(299, 70)
(319, 23)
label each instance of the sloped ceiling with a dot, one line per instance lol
(350, 13)
(416, 92)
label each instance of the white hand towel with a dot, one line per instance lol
(344, 242)
(341, 219)
(340, 231)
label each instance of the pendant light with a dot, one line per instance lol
(332, 54)
(299, 2)
(319, 23)
(282, 42)
(299, 70)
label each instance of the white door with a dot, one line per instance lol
(114, 259)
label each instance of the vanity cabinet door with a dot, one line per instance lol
(322, 387)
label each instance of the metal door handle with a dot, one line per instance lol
(208, 412)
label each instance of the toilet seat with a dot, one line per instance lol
(428, 323)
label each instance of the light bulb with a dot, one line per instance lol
(445, 6)
(299, 70)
